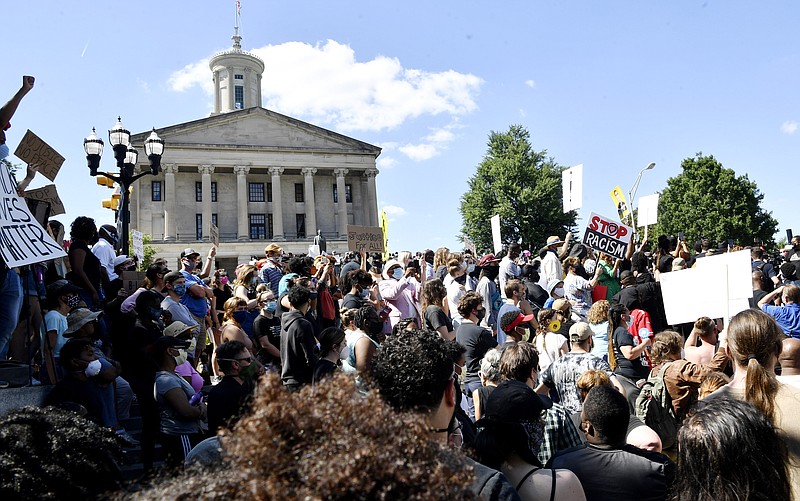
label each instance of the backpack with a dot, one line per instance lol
(654, 407)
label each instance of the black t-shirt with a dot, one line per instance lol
(222, 295)
(634, 369)
(323, 369)
(271, 328)
(477, 340)
(85, 393)
(227, 401)
(352, 301)
(536, 295)
(435, 317)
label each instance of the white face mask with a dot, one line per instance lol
(559, 291)
(93, 368)
(470, 268)
(181, 358)
(344, 353)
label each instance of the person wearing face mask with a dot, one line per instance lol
(181, 427)
(477, 340)
(245, 285)
(153, 279)
(487, 288)
(298, 346)
(198, 294)
(235, 314)
(80, 363)
(456, 287)
(267, 331)
(360, 287)
(555, 288)
(230, 398)
(222, 292)
(185, 368)
(362, 342)
(272, 271)
(104, 250)
(175, 285)
(63, 297)
(400, 292)
(332, 350)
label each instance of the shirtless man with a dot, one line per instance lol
(707, 331)
(790, 362)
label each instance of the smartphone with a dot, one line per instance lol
(789, 235)
(681, 236)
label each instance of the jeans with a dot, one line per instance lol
(468, 389)
(10, 308)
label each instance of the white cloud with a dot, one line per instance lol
(393, 212)
(143, 85)
(530, 83)
(440, 136)
(789, 127)
(327, 85)
(386, 162)
(419, 152)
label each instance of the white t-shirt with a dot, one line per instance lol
(105, 253)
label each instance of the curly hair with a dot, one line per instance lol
(413, 369)
(51, 453)
(348, 316)
(329, 443)
(83, 228)
(468, 302)
(665, 343)
(598, 313)
(433, 293)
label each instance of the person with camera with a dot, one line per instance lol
(400, 292)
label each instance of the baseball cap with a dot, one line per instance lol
(61, 287)
(487, 259)
(580, 331)
(562, 304)
(189, 252)
(521, 319)
(164, 342)
(78, 318)
(177, 328)
(509, 403)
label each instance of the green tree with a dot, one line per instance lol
(523, 186)
(708, 200)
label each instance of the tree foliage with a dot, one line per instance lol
(707, 200)
(523, 186)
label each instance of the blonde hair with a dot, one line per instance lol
(712, 382)
(598, 313)
(589, 380)
(665, 343)
(440, 258)
(243, 273)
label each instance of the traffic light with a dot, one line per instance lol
(105, 181)
(113, 202)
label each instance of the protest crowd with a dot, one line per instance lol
(544, 373)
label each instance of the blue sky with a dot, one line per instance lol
(612, 85)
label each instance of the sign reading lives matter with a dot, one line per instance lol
(33, 150)
(364, 238)
(22, 239)
(607, 236)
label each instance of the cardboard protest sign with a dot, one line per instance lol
(22, 239)
(497, 240)
(648, 210)
(606, 235)
(470, 245)
(214, 234)
(618, 197)
(132, 280)
(364, 238)
(32, 150)
(572, 188)
(50, 195)
(138, 244)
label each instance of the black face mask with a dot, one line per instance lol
(491, 272)
(480, 314)
(462, 279)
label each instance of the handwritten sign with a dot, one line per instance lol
(138, 244)
(22, 239)
(214, 235)
(364, 238)
(32, 150)
(606, 235)
(50, 195)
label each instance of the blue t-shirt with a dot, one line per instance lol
(787, 317)
(196, 305)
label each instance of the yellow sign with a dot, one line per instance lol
(385, 229)
(618, 196)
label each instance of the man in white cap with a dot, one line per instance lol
(551, 265)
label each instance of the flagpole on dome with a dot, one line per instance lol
(237, 39)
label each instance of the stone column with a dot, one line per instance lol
(216, 92)
(277, 203)
(242, 222)
(372, 196)
(258, 90)
(341, 194)
(231, 94)
(310, 204)
(205, 177)
(170, 203)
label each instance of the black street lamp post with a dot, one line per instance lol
(126, 156)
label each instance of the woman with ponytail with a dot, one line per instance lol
(626, 358)
(754, 343)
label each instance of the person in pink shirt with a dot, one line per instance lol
(400, 292)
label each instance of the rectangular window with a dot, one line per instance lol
(270, 233)
(198, 191)
(238, 97)
(214, 220)
(258, 228)
(238, 77)
(269, 192)
(155, 191)
(301, 225)
(213, 191)
(348, 193)
(198, 219)
(255, 192)
(298, 192)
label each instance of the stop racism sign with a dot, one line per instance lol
(606, 235)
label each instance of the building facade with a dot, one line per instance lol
(255, 174)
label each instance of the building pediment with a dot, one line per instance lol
(261, 129)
